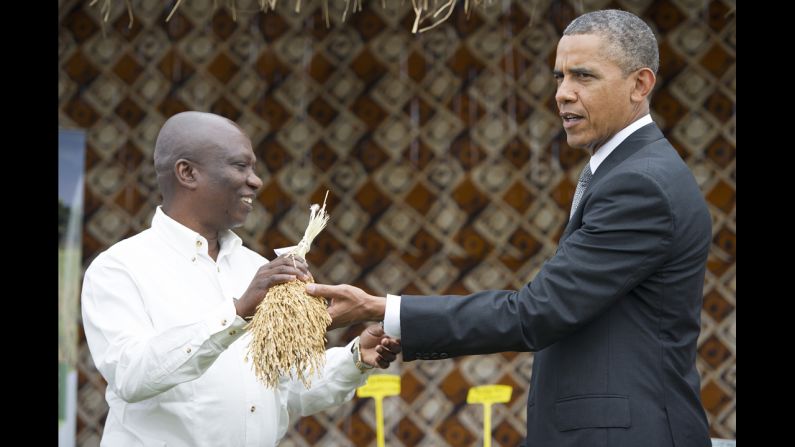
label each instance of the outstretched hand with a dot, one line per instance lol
(378, 349)
(349, 305)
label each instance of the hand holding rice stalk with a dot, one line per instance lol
(288, 331)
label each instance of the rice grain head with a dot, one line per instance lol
(288, 335)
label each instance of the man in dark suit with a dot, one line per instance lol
(614, 315)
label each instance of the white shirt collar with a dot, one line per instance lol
(605, 150)
(188, 242)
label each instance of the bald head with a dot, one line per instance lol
(191, 136)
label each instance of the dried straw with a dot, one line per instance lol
(422, 9)
(288, 331)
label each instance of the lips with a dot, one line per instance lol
(570, 119)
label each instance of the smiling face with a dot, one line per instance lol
(594, 96)
(226, 184)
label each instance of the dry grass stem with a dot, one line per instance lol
(173, 10)
(422, 9)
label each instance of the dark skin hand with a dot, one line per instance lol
(283, 269)
(348, 304)
(377, 348)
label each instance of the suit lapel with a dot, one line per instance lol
(638, 139)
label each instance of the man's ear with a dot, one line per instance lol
(185, 172)
(644, 84)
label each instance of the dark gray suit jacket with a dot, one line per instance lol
(614, 315)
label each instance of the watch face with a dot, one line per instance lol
(360, 364)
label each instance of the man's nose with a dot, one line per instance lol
(565, 93)
(254, 181)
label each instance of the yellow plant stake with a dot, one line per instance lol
(288, 331)
(487, 395)
(378, 387)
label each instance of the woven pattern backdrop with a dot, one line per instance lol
(447, 165)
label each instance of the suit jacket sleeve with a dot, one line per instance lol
(626, 232)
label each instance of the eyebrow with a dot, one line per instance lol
(575, 70)
(241, 157)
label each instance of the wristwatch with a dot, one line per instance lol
(357, 357)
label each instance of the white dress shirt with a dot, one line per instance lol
(392, 311)
(162, 329)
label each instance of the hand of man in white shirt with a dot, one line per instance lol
(378, 349)
(281, 270)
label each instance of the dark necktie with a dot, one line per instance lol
(582, 184)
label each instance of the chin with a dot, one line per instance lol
(575, 143)
(580, 142)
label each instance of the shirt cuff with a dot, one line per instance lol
(346, 369)
(392, 316)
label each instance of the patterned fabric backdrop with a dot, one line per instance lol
(448, 168)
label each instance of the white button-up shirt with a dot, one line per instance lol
(162, 329)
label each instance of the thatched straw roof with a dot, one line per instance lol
(428, 13)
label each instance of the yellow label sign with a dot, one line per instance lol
(377, 387)
(380, 385)
(489, 394)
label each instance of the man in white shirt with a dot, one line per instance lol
(613, 316)
(164, 311)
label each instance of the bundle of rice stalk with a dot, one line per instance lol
(288, 331)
